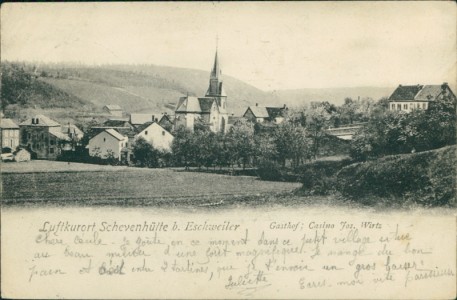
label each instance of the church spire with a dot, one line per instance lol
(216, 88)
(216, 72)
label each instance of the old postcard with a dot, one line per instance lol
(234, 150)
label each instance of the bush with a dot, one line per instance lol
(273, 171)
(427, 178)
(319, 177)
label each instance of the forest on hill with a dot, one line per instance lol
(145, 88)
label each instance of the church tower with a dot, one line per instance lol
(216, 87)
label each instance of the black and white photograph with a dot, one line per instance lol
(228, 150)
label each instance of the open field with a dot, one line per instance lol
(84, 184)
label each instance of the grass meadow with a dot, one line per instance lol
(60, 183)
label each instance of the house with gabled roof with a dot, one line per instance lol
(263, 114)
(44, 137)
(113, 109)
(9, 134)
(410, 97)
(108, 143)
(211, 109)
(156, 135)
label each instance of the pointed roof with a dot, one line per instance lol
(216, 71)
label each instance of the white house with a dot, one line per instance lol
(410, 97)
(156, 135)
(106, 142)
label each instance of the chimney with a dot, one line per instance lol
(284, 106)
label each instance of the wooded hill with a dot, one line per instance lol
(145, 88)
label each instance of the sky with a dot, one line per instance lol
(272, 45)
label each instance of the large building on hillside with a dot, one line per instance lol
(45, 138)
(211, 109)
(9, 134)
(409, 97)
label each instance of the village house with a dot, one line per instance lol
(211, 109)
(44, 137)
(156, 135)
(73, 132)
(108, 143)
(409, 97)
(9, 135)
(166, 121)
(264, 114)
(113, 109)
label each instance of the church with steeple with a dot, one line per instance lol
(211, 109)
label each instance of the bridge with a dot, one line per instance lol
(346, 132)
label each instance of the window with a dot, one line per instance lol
(398, 106)
(52, 142)
(126, 144)
(163, 132)
(104, 139)
(405, 106)
(51, 150)
(392, 106)
(7, 133)
(424, 105)
(146, 132)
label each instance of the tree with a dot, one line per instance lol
(144, 154)
(241, 142)
(394, 132)
(290, 143)
(317, 120)
(183, 146)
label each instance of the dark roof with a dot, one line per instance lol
(116, 123)
(274, 112)
(206, 104)
(166, 118)
(127, 131)
(405, 92)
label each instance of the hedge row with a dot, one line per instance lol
(428, 178)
